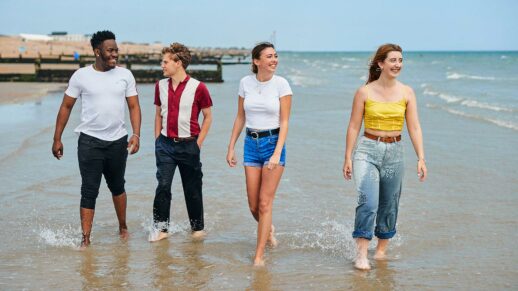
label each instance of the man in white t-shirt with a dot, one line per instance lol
(103, 147)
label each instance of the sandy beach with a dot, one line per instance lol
(456, 231)
(21, 92)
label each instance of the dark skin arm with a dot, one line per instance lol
(135, 118)
(61, 121)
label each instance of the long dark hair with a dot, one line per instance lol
(380, 56)
(256, 53)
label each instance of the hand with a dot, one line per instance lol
(274, 161)
(348, 169)
(421, 170)
(57, 149)
(231, 158)
(133, 144)
(199, 144)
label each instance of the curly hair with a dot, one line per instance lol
(100, 36)
(179, 52)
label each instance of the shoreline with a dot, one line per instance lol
(22, 92)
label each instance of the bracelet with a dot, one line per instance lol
(136, 135)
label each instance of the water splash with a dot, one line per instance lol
(64, 236)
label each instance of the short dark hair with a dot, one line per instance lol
(256, 53)
(179, 52)
(100, 36)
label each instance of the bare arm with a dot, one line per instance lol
(158, 121)
(416, 135)
(135, 118)
(284, 117)
(355, 124)
(239, 123)
(205, 126)
(61, 121)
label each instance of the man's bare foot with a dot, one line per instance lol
(272, 241)
(85, 242)
(258, 262)
(362, 264)
(380, 256)
(199, 234)
(123, 233)
(157, 235)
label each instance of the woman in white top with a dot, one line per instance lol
(264, 105)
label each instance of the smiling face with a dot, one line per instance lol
(392, 64)
(170, 64)
(267, 61)
(107, 54)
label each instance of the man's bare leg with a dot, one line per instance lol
(87, 218)
(120, 202)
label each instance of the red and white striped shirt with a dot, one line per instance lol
(181, 108)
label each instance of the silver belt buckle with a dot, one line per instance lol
(254, 134)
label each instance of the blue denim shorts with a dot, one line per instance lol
(258, 151)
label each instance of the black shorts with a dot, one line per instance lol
(99, 157)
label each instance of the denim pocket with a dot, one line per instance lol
(273, 139)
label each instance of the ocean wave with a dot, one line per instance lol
(498, 122)
(457, 76)
(445, 97)
(466, 102)
(503, 57)
(349, 59)
(304, 81)
(482, 105)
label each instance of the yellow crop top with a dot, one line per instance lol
(386, 116)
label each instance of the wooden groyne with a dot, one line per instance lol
(145, 67)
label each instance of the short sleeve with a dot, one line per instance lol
(203, 96)
(74, 88)
(157, 95)
(131, 88)
(241, 91)
(284, 88)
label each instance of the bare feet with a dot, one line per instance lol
(123, 232)
(157, 235)
(85, 241)
(380, 256)
(272, 241)
(362, 264)
(258, 262)
(199, 234)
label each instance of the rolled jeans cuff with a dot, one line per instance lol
(362, 234)
(385, 235)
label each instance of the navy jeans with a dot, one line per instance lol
(186, 155)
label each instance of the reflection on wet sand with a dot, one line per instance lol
(100, 270)
(261, 279)
(179, 265)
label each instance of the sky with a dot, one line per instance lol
(321, 25)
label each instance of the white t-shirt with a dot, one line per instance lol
(103, 99)
(262, 105)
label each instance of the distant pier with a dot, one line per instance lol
(145, 67)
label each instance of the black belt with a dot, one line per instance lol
(182, 139)
(263, 133)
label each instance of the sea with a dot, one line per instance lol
(457, 230)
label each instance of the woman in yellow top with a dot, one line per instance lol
(377, 162)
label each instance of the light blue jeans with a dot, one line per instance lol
(378, 173)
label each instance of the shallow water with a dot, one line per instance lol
(455, 231)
